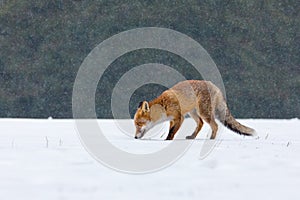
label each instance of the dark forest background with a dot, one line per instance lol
(254, 43)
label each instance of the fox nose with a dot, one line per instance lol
(135, 137)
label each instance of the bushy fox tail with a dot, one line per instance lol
(230, 122)
(237, 127)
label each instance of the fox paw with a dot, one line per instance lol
(190, 137)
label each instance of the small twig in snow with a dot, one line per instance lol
(162, 134)
(267, 136)
(47, 142)
(288, 144)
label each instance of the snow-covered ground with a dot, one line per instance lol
(44, 160)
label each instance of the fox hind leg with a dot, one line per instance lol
(199, 122)
(213, 125)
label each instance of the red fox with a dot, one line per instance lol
(202, 100)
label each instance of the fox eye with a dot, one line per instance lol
(139, 124)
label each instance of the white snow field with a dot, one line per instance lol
(44, 160)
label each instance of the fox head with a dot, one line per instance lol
(142, 119)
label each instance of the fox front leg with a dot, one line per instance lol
(174, 127)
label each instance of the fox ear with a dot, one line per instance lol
(140, 104)
(145, 106)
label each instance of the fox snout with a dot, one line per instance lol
(139, 133)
